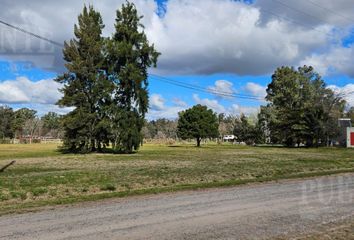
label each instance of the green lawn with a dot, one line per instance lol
(44, 176)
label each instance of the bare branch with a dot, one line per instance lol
(6, 166)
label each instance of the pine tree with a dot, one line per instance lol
(83, 82)
(129, 57)
(106, 83)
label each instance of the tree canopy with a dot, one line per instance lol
(51, 122)
(301, 108)
(21, 122)
(350, 114)
(160, 129)
(198, 122)
(7, 117)
(247, 132)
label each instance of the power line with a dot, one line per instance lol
(204, 90)
(294, 22)
(267, 11)
(32, 34)
(330, 10)
(300, 11)
(307, 14)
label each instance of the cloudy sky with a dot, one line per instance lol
(207, 46)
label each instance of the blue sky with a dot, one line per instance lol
(225, 46)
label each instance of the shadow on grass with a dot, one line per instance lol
(190, 146)
(296, 147)
(178, 146)
(101, 151)
(270, 146)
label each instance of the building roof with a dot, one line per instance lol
(344, 122)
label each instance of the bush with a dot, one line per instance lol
(27, 141)
(5, 141)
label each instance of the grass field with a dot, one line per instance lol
(44, 176)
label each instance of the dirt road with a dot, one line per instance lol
(285, 209)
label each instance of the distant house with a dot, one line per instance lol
(229, 138)
(346, 137)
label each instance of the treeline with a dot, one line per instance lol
(25, 125)
(160, 129)
(246, 128)
(300, 110)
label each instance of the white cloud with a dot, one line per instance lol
(157, 102)
(22, 90)
(338, 60)
(158, 108)
(179, 102)
(42, 109)
(54, 21)
(312, 13)
(10, 93)
(235, 38)
(169, 112)
(236, 109)
(222, 88)
(199, 36)
(213, 104)
(256, 89)
(346, 91)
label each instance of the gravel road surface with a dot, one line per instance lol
(259, 211)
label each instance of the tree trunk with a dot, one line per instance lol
(198, 142)
(99, 146)
(93, 145)
(309, 142)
